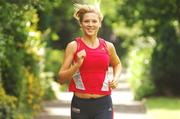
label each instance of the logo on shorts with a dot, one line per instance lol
(110, 109)
(76, 110)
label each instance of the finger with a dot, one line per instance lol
(113, 82)
(114, 86)
(81, 53)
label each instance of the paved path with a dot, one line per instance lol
(124, 105)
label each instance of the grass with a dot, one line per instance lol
(163, 108)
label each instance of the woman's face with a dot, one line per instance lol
(90, 24)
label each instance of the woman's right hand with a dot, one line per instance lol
(80, 57)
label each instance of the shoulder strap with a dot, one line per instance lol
(78, 43)
(103, 42)
(77, 49)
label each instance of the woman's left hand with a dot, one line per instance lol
(114, 83)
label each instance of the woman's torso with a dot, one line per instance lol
(92, 80)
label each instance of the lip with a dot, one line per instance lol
(90, 29)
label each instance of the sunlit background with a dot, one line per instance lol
(34, 34)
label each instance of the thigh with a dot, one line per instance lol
(107, 111)
(106, 114)
(77, 111)
(75, 115)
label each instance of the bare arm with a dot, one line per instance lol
(116, 64)
(68, 69)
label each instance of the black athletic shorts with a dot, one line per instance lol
(100, 108)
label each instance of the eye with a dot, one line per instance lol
(94, 21)
(86, 21)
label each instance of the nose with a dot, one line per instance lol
(90, 23)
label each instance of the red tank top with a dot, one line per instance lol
(92, 76)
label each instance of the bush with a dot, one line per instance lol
(47, 80)
(53, 60)
(139, 68)
(165, 62)
(33, 93)
(7, 105)
(20, 57)
(20, 62)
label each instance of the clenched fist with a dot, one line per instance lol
(80, 57)
(114, 83)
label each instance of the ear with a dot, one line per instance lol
(80, 24)
(100, 24)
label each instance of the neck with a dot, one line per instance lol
(91, 41)
(90, 38)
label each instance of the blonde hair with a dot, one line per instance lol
(81, 9)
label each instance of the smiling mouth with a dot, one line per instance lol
(90, 29)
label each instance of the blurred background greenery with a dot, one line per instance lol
(34, 34)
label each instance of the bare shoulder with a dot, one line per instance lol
(71, 46)
(110, 45)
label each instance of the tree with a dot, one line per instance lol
(160, 20)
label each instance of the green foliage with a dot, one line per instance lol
(49, 94)
(7, 105)
(32, 98)
(160, 20)
(53, 60)
(128, 24)
(59, 21)
(139, 68)
(165, 60)
(47, 81)
(20, 45)
(14, 31)
(166, 75)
